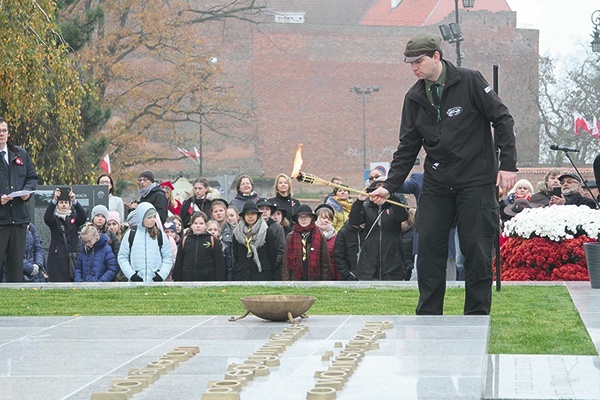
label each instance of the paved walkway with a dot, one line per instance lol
(419, 358)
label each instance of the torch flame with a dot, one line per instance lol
(297, 162)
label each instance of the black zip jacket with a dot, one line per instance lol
(461, 151)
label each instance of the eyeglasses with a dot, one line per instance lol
(104, 183)
(372, 178)
(304, 216)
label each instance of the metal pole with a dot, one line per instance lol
(457, 43)
(364, 131)
(200, 148)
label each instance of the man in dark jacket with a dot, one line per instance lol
(448, 112)
(570, 187)
(17, 173)
(151, 192)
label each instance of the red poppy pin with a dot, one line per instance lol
(18, 161)
(72, 221)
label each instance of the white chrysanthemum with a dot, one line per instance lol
(555, 223)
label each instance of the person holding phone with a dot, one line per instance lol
(570, 184)
(547, 188)
(63, 216)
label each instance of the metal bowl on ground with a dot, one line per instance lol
(277, 307)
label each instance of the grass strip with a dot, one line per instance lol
(524, 320)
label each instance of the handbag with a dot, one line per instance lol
(70, 256)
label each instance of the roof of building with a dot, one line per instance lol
(421, 12)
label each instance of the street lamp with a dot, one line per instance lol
(451, 33)
(366, 95)
(596, 21)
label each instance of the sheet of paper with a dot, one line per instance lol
(20, 193)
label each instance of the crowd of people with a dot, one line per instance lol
(206, 238)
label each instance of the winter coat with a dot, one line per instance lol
(187, 209)
(158, 199)
(22, 176)
(577, 199)
(34, 254)
(287, 203)
(145, 258)
(287, 274)
(239, 200)
(200, 258)
(406, 239)
(226, 238)
(381, 253)
(280, 240)
(340, 215)
(113, 240)
(460, 146)
(245, 269)
(58, 263)
(97, 264)
(345, 251)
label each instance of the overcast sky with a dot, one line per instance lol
(565, 26)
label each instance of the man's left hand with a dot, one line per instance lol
(507, 179)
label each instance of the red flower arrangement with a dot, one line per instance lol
(542, 259)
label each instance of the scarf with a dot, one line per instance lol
(305, 242)
(526, 197)
(252, 238)
(346, 204)
(62, 214)
(144, 192)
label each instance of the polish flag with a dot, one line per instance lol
(105, 164)
(186, 153)
(197, 153)
(581, 124)
(596, 128)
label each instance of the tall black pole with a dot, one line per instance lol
(498, 265)
(457, 43)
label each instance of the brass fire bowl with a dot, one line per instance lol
(277, 307)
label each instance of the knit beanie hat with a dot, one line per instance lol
(100, 210)
(149, 213)
(114, 216)
(170, 226)
(148, 175)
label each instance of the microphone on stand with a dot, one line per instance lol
(563, 148)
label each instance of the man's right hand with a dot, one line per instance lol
(379, 196)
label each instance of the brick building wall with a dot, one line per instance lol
(293, 81)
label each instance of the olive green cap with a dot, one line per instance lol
(420, 45)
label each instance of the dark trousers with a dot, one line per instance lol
(475, 211)
(12, 248)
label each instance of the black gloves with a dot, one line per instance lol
(135, 278)
(157, 278)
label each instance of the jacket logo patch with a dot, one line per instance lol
(454, 111)
(488, 89)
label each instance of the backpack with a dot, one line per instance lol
(133, 230)
(212, 241)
